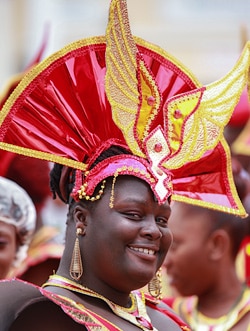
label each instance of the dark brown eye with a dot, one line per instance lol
(133, 216)
(162, 221)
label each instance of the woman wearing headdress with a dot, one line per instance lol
(128, 128)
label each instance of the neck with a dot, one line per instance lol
(109, 293)
(136, 313)
(221, 298)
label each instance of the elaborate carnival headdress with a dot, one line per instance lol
(121, 90)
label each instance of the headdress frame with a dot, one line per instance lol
(172, 124)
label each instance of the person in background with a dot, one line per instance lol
(236, 133)
(209, 292)
(46, 247)
(129, 129)
(35, 181)
(17, 225)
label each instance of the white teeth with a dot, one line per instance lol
(143, 250)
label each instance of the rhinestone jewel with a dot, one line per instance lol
(177, 113)
(144, 322)
(151, 100)
(158, 147)
(159, 172)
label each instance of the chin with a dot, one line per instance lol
(140, 281)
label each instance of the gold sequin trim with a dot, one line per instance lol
(43, 156)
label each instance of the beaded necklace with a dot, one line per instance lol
(199, 321)
(135, 314)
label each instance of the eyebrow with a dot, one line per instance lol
(139, 201)
(134, 200)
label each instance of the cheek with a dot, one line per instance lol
(102, 242)
(189, 254)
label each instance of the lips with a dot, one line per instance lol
(143, 250)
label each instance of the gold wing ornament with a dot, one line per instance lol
(193, 121)
(196, 120)
(130, 88)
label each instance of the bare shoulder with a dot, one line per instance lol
(163, 316)
(14, 295)
(23, 307)
(44, 316)
(18, 286)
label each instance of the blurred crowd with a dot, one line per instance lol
(206, 274)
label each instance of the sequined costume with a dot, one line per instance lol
(68, 314)
(187, 309)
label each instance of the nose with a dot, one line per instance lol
(150, 229)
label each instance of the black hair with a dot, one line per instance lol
(62, 178)
(235, 226)
(55, 175)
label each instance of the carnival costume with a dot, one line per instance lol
(120, 90)
(33, 296)
(186, 308)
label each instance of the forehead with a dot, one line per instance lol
(134, 187)
(132, 183)
(131, 188)
(6, 228)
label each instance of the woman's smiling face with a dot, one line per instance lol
(125, 245)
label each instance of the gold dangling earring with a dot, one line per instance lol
(155, 286)
(76, 269)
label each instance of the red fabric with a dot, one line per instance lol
(30, 173)
(170, 314)
(246, 251)
(58, 112)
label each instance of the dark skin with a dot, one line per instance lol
(54, 319)
(8, 247)
(212, 276)
(133, 239)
